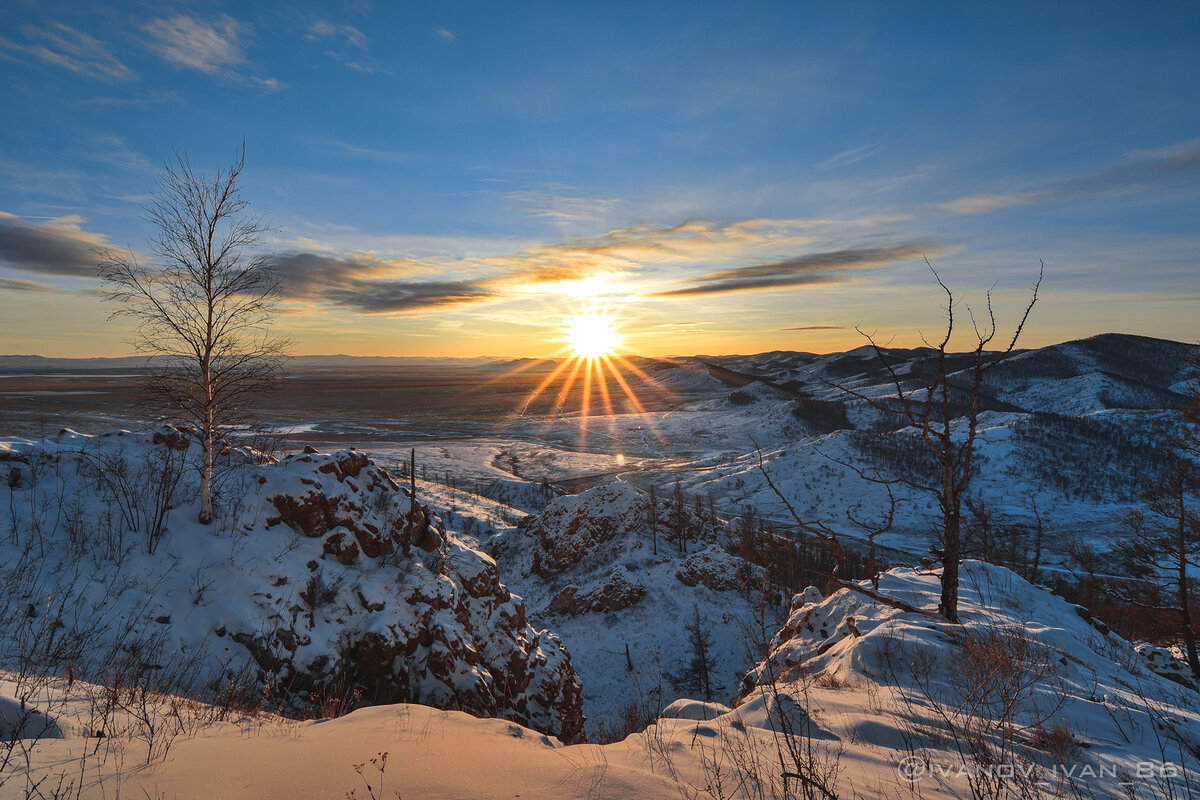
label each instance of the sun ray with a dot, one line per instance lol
(653, 383)
(602, 382)
(591, 338)
(637, 404)
(575, 362)
(510, 418)
(549, 379)
(514, 371)
(586, 402)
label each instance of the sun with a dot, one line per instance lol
(592, 368)
(592, 334)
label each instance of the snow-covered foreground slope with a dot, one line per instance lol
(319, 585)
(1026, 698)
(1028, 693)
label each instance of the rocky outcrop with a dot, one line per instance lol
(1168, 663)
(441, 630)
(576, 531)
(614, 593)
(720, 571)
(315, 514)
(566, 533)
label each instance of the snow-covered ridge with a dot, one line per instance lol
(320, 579)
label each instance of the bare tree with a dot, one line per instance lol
(1162, 548)
(929, 407)
(203, 307)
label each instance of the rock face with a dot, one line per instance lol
(570, 530)
(614, 593)
(442, 631)
(588, 569)
(321, 580)
(1170, 665)
(720, 571)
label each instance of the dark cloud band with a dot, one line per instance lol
(806, 270)
(46, 249)
(13, 285)
(369, 286)
(393, 297)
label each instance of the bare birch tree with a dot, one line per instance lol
(203, 306)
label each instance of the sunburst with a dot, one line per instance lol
(592, 360)
(592, 334)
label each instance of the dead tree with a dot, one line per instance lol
(202, 307)
(652, 517)
(830, 537)
(928, 408)
(677, 518)
(1162, 548)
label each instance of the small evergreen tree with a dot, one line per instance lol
(696, 675)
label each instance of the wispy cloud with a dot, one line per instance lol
(1175, 165)
(210, 47)
(851, 156)
(214, 48)
(1148, 169)
(629, 263)
(324, 29)
(986, 203)
(113, 150)
(142, 99)
(560, 206)
(1185, 149)
(58, 247)
(66, 47)
(445, 34)
(345, 44)
(352, 149)
(32, 180)
(815, 328)
(806, 270)
(14, 285)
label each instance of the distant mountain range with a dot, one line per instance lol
(41, 363)
(1127, 357)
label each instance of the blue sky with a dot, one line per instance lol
(455, 179)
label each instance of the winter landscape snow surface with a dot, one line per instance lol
(535, 582)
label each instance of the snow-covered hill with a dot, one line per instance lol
(1029, 696)
(1068, 434)
(320, 583)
